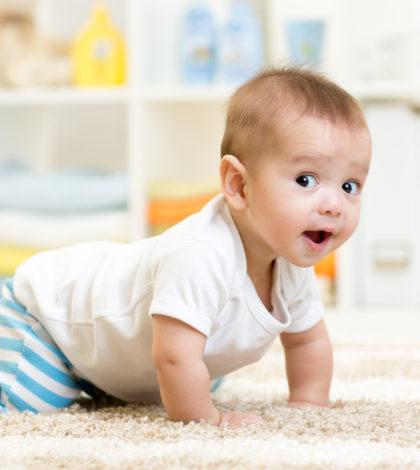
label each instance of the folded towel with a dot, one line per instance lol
(170, 190)
(168, 211)
(12, 256)
(172, 201)
(42, 231)
(326, 267)
(61, 192)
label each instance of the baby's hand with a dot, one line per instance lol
(234, 420)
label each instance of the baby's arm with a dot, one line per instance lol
(309, 363)
(183, 376)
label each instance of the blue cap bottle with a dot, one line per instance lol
(241, 45)
(198, 45)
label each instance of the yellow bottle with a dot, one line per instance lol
(98, 53)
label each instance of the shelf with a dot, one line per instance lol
(67, 96)
(113, 95)
(154, 127)
(49, 231)
(187, 94)
(386, 92)
(63, 96)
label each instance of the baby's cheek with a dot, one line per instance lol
(350, 227)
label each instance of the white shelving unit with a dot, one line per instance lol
(155, 122)
(154, 127)
(64, 96)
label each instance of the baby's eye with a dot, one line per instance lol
(351, 187)
(307, 181)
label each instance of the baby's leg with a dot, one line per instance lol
(34, 373)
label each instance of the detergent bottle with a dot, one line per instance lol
(98, 53)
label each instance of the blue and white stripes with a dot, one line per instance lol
(34, 373)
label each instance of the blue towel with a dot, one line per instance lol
(61, 192)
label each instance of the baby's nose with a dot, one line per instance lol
(330, 203)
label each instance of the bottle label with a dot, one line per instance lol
(198, 50)
(102, 49)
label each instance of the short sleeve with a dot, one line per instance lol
(301, 295)
(191, 284)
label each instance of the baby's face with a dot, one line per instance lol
(304, 196)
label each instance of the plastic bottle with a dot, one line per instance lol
(98, 53)
(241, 45)
(198, 45)
(306, 41)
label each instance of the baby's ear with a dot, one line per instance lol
(232, 177)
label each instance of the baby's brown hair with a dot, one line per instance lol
(255, 110)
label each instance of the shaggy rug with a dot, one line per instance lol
(373, 421)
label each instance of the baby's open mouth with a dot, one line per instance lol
(317, 236)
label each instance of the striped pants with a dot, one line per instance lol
(34, 373)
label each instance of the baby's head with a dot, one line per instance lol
(258, 110)
(295, 157)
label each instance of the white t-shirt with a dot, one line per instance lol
(96, 300)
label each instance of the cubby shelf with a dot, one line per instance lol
(64, 96)
(147, 125)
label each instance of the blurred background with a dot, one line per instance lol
(111, 117)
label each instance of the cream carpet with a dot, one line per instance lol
(373, 421)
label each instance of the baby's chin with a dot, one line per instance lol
(305, 265)
(309, 263)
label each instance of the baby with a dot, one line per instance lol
(169, 314)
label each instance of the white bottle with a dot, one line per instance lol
(198, 45)
(241, 45)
